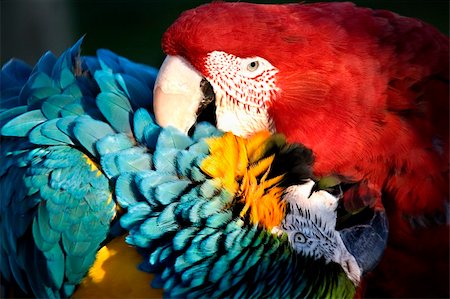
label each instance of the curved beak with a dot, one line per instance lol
(177, 94)
(367, 240)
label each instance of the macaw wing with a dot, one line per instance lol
(66, 129)
(203, 217)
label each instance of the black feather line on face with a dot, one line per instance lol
(294, 161)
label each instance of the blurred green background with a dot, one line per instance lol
(132, 28)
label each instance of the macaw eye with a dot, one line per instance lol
(299, 238)
(253, 66)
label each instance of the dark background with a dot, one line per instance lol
(132, 28)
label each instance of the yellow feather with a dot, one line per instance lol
(115, 275)
(255, 145)
(242, 166)
(94, 166)
(261, 166)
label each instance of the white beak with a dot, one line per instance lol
(177, 94)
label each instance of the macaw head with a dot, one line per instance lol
(228, 216)
(261, 65)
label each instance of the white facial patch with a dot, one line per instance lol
(310, 224)
(243, 88)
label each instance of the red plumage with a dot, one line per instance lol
(367, 90)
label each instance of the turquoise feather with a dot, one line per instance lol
(171, 138)
(79, 140)
(86, 136)
(113, 144)
(140, 93)
(126, 191)
(23, 124)
(141, 121)
(54, 105)
(58, 126)
(116, 109)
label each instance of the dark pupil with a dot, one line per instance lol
(253, 64)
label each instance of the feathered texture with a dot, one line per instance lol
(66, 129)
(81, 151)
(367, 90)
(205, 217)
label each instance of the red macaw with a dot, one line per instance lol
(366, 90)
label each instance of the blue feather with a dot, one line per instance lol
(128, 160)
(165, 254)
(23, 124)
(165, 160)
(127, 192)
(186, 204)
(76, 264)
(184, 161)
(140, 95)
(197, 175)
(171, 138)
(146, 74)
(88, 131)
(14, 73)
(184, 237)
(198, 278)
(39, 81)
(137, 239)
(67, 78)
(136, 213)
(219, 220)
(178, 291)
(205, 130)
(7, 115)
(55, 265)
(151, 133)
(75, 109)
(106, 81)
(169, 282)
(208, 189)
(91, 64)
(52, 107)
(10, 98)
(167, 192)
(60, 195)
(66, 124)
(68, 289)
(220, 267)
(116, 109)
(46, 63)
(141, 120)
(62, 70)
(41, 224)
(113, 144)
(187, 260)
(147, 181)
(108, 60)
(155, 227)
(36, 136)
(50, 130)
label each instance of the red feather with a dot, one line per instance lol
(367, 90)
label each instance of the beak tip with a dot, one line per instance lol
(367, 242)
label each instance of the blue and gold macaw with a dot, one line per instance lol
(93, 189)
